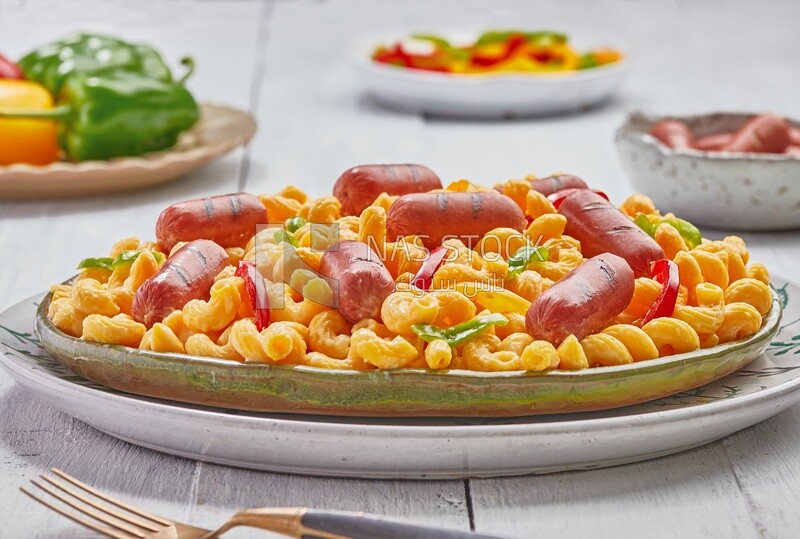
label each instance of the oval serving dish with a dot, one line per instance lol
(490, 95)
(394, 393)
(735, 191)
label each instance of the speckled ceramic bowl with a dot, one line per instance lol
(737, 191)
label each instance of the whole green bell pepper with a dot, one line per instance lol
(52, 64)
(118, 113)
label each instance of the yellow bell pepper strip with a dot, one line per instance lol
(667, 273)
(459, 333)
(256, 292)
(26, 141)
(424, 277)
(10, 70)
(501, 300)
(493, 297)
(690, 233)
(526, 254)
(125, 257)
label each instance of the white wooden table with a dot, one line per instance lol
(284, 61)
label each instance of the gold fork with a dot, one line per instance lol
(119, 520)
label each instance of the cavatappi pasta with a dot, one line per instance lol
(721, 297)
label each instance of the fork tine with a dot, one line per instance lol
(90, 510)
(108, 532)
(125, 517)
(109, 499)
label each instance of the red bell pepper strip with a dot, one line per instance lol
(10, 70)
(514, 42)
(558, 197)
(542, 56)
(665, 272)
(395, 55)
(424, 277)
(256, 292)
(398, 56)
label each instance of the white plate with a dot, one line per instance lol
(418, 448)
(220, 130)
(483, 96)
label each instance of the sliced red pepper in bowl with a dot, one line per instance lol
(424, 277)
(558, 197)
(256, 292)
(667, 273)
(395, 55)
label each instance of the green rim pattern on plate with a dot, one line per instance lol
(396, 393)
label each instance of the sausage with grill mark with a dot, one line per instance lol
(186, 275)
(228, 220)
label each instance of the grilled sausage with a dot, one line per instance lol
(435, 217)
(228, 220)
(358, 278)
(602, 228)
(557, 182)
(583, 302)
(766, 133)
(673, 133)
(794, 136)
(713, 143)
(359, 186)
(188, 274)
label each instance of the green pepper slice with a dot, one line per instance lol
(690, 233)
(542, 38)
(110, 264)
(459, 333)
(281, 236)
(524, 256)
(293, 224)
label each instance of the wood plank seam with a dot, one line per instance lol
(468, 498)
(752, 515)
(259, 73)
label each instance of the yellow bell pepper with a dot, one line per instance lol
(502, 301)
(496, 299)
(26, 141)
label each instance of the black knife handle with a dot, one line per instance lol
(361, 526)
